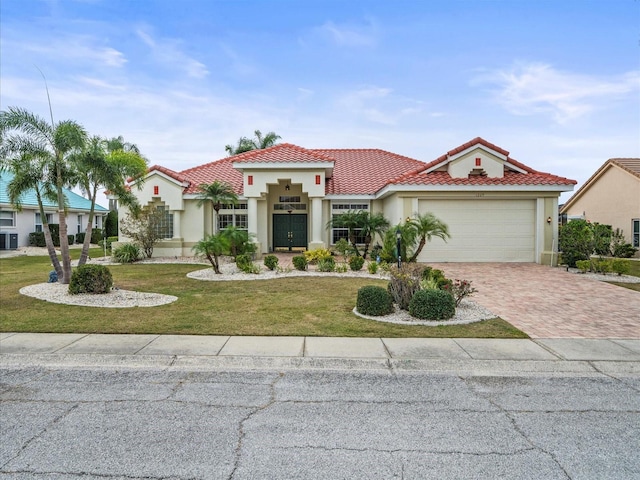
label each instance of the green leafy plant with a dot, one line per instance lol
(601, 265)
(602, 235)
(341, 268)
(373, 300)
(619, 247)
(245, 263)
(583, 265)
(299, 262)
(576, 241)
(212, 247)
(621, 267)
(326, 264)
(356, 263)
(90, 278)
(127, 253)
(372, 268)
(271, 262)
(343, 248)
(432, 305)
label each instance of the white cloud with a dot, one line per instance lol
(350, 35)
(77, 48)
(534, 88)
(168, 52)
(379, 105)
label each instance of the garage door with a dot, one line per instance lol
(482, 231)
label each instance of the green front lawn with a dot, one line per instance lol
(310, 306)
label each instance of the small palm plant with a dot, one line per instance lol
(212, 247)
(218, 193)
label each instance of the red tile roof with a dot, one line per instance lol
(282, 153)
(361, 171)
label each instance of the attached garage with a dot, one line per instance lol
(482, 230)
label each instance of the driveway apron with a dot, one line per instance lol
(547, 302)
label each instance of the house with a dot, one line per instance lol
(497, 208)
(15, 226)
(611, 197)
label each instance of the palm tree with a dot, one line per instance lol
(105, 163)
(28, 175)
(352, 221)
(259, 142)
(426, 226)
(372, 224)
(24, 133)
(212, 246)
(218, 193)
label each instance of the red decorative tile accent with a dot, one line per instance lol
(156, 190)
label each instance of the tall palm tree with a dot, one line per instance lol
(372, 224)
(22, 132)
(105, 164)
(217, 193)
(426, 226)
(28, 175)
(259, 142)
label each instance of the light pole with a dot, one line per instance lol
(399, 246)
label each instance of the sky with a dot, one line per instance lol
(554, 82)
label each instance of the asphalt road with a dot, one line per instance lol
(152, 423)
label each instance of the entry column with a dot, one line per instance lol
(316, 224)
(252, 221)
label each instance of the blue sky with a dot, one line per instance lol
(556, 83)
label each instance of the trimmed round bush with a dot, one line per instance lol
(373, 300)
(244, 262)
(271, 262)
(90, 279)
(299, 262)
(432, 305)
(356, 263)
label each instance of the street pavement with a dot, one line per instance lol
(78, 406)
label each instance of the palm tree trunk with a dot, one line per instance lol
(87, 236)
(48, 240)
(421, 245)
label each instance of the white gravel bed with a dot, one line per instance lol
(611, 277)
(59, 293)
(231, 272)
(467, 312)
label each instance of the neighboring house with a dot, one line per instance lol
(15, 226)
(611, 197)
(497, 208)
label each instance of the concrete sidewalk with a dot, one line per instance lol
(580, 355)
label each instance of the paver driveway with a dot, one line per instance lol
(549, 302)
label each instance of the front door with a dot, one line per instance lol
(290, 231)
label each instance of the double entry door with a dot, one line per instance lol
(290, 231)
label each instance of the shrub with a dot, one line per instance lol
(621, 267)
(341, 268)
(460, 289)
(326, 264)
(584, 265)
(343, 247)
(90, 278)
(404, 283)
(601, 265)
(314, 256)
(54, 228)
(372, 268)
(96, 236)
(127, 253)
(299, 262)
(36, 239)
(356, 263)
(432, 305)
(271, 262)
(576, 241)
(602, 235)
(70, 239)
(373, 300)
(80, 237)
(245, 263)
(111, 224)
(110, 241)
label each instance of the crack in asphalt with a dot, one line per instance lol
(241, 432)
(97, 474)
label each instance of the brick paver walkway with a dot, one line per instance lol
(549, 302)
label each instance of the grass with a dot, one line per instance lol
(312, 306)
(635, 271)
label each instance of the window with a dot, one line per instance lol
(340, 208)
(164, 227)
(635, 237)
(224, 221)
(38, 221)
(79, 224)
(7, 218)
(242, 222)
